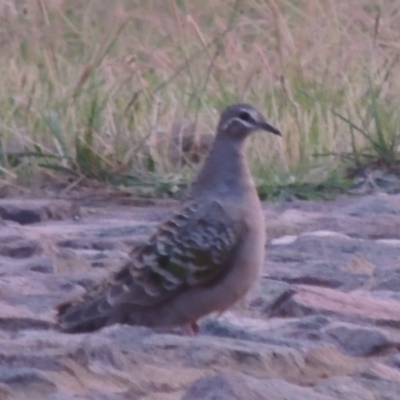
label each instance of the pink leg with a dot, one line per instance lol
(191, 329)
(195, 328)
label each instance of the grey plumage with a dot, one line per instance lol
(202, 259)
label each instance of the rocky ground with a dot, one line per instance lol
(324, 323)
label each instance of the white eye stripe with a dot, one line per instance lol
(244, 123)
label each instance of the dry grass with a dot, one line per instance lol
(93, 87)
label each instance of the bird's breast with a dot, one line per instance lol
(249, 258)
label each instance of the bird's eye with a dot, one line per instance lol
(245, 116)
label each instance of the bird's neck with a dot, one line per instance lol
(225, 170)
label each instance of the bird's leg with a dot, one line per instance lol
(191, 328)
(194, 327)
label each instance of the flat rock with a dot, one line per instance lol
(344, 388)
(238, 387)
(374, 204)
(329, 259)
(256, 359)
(95, 395)
(381, 389)
(358, 340)
(26, 383)
(271, 294)
(323, 324)
(37, 210)
(358, 304)
(394, 361)
(20, 247)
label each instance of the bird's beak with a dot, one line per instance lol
(269, 128)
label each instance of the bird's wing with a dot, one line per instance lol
(192, 248)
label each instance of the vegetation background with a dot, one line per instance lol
(103, 90)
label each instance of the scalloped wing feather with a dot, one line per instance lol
(192, 248)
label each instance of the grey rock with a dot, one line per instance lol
(297, 333)
(13, 375)
(394, 361)
(374, 204)
(239, 387)
(306, 328)
(344, 388)
(20, 248)
(22, 266)
(26, 383)
(37, 210)
(223, 329)
(44, 361)
(91, 243)
(390, 281)
(95, 395)
(358, 340)
(16, 324)
(222, 387)
(121, 231)
(245, 356)
(365, 226)
(328, 261)
(327, 318)
(271, 294)
(382, 389)
(358, 306)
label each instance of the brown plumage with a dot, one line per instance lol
(202, 259)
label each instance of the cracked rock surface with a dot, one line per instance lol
(323, 324)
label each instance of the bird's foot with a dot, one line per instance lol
(191, 329)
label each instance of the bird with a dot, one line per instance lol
(199, 261)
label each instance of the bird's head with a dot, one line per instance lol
(239, 120)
